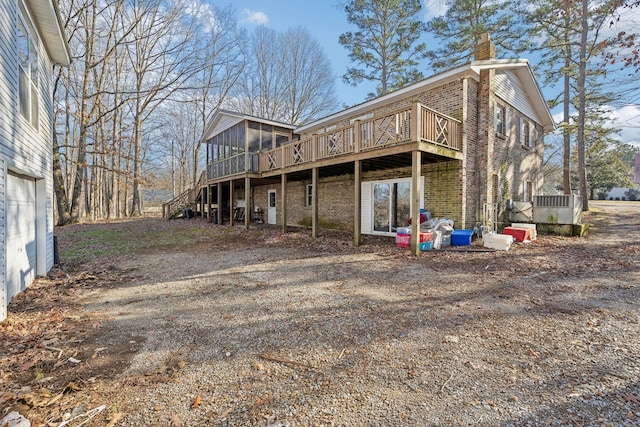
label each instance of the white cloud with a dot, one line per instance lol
(204, 13)
(435, 8)
(627, 119)
(254, 17)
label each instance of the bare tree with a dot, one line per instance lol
(288, 78)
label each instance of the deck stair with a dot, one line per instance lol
(175, 207)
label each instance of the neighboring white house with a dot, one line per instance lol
(31, 41)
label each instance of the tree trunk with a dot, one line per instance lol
(566, 132)
(582, 99)
(62, 204)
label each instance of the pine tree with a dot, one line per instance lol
(462, 26)
(385, 48)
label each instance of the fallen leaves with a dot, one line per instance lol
(197, 401)
(633, 399)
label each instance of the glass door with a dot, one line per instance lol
(391, 205)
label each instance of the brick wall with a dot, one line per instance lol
(442, 194)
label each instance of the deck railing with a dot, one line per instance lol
(440, 129)
(184, 199)
(370, 134)
(175, 206)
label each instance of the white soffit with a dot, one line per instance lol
(47, 19)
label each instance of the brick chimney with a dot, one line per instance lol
(485, 49)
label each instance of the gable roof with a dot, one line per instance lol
(522, 69)
(47, 18)
(224, 119)
(519, 66)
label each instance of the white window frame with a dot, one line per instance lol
(367, 189)
(308, 196)
(500, 119)
(525, 133)
(527, 191)
(28, 68)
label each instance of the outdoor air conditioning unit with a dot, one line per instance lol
(564, 209)
(520, 211)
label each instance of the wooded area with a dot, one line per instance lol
(146, 77)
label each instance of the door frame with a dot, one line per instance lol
(272, 210)
(366, 214)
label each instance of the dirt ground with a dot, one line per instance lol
(185, 323)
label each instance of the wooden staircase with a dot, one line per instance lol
(186, 200)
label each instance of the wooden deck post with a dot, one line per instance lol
(231, 202)
(416, 158)
(416, 123)
(314, 147)
(219, 204)
(357, 202)
(283, 202)
(247, 202)
(357, 136)
(209, 202)
(201, 204)
(314, 202)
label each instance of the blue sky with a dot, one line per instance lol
(326, 20)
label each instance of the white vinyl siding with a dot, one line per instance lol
(3, 238)
(509, 88)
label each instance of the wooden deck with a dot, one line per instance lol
(420, 126)
(416, 128)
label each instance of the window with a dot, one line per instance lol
(308, 200)
(267, 138)
(281, 139)
(527, 190)
(253, 137)
(525, 136)
(500, 119)
(241, 138)
(495, 188)
(28, 82)
(391, 205)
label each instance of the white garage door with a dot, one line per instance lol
(21, 233)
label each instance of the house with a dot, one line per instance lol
(458, 144)
(31, 40)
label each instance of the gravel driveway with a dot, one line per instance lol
(280, 330)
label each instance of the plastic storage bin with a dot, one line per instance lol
(532, 227)
(461, 237)
(426, 237)
(426, 246)
(520, 234)
(403, 240)
(501, 242)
